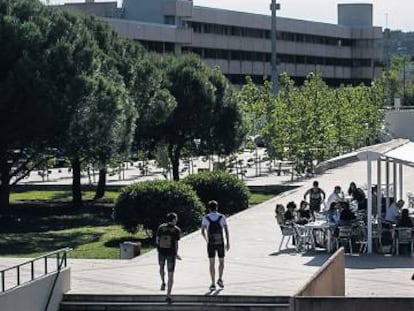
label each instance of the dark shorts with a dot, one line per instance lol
(213, 249)
(170, 259)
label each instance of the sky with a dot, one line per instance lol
(399, 13)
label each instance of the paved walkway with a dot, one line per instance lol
(253, 266)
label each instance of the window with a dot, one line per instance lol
(169, 19)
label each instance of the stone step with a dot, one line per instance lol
(175, 306)
(177, 298)
(84, 302)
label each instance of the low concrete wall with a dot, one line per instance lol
(329, 280)
(33, 296)
(400, 123)
(354, 303)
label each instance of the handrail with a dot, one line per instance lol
(45, 257)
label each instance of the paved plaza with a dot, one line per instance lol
(253, 265)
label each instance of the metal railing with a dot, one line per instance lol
(61, 261)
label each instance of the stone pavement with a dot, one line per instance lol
(253, 265)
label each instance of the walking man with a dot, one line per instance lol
(167, 238)
(214, 223)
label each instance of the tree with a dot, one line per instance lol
(27, 123)
(204, 99)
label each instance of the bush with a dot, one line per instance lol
(147, 204)
(231, 194)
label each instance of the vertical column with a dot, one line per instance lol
(387, 183)
(379, 192)
(369, 216)
(395, 181)
(401, 180)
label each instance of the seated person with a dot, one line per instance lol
(336, 196)
(280, 211)
(393, 211)
(405, 220)
(347, 216)
(333, 213)
(304, 214)
(290, 214)
(358, 195)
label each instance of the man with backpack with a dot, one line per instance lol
(212, 230)
(167, 238)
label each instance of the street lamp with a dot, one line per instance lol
(275, 79)
(197, 142)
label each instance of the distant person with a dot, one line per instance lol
(336, 196)
(279, 214)
(333, 213)
(316, 197)
(212, 228)
(167, 238)
(303, 214)
(358, 195)
(346, 215)
(405, 220)
(290, 214)
(393, 211)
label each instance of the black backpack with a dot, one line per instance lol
(166, 237)
(215, 232)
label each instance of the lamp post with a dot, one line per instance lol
(197, 142)
(275, 80)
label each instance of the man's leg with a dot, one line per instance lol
(170, 283)
(170, 269)
(212, 270)
(161, 262)
(221, 253)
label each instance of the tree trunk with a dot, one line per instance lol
(76, 182)
(100, 189)
(174, 156)
(5, 185)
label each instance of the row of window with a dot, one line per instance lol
(282, 58)
(239, 79)
(227, 30)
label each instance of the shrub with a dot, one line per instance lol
(231, 194)
(147, 204)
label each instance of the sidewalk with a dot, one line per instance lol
(253, 266)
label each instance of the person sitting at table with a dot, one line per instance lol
(316, 197)
(393, 212)
(304, 215)
(358, 195)
(280, 211)
(347, 216)
(405, 220)
(336, 196)
(290, 214)
(333, 213)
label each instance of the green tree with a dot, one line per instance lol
(204, 99)
(27, 111)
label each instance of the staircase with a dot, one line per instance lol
(74, 302)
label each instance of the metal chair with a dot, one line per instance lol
(344, 235)
(287, 232)
(304, 238)
(404, 236)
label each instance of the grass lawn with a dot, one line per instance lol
(45, 220)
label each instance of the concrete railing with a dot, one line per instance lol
(354, 303)
(329, 280)
(33, 296)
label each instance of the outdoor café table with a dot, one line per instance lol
(320, 225)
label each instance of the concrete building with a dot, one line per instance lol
(240, 43)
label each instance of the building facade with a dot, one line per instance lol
(240, 43)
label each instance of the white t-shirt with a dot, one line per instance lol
(334, 197)
(213, 216)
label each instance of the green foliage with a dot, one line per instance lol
(231, 194)
(314, 122)
(147, 204)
